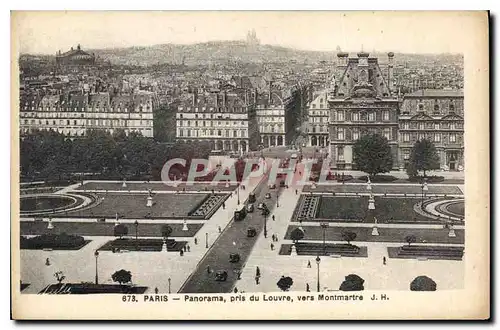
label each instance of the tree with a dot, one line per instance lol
(410, 239)
(122, 276)
(296, 235)
(59, 276)
(372, 154)
(423, 157)
(423, 283)
(348, 236)
(166, 231)
(352, 282)
(120, 230)
(285, 283)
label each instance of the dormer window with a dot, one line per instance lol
(436, 107)
(420, 107)
(452, 108)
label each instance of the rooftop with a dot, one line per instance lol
(437, 93)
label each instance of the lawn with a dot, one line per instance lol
(155, 186)
(106, 229)
(355, 209)
(133, 206)
(384, 188)
(363, 234)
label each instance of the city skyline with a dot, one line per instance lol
(331, 30)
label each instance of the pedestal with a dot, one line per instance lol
(124, 184)
(185, 226)
(371, 204)
(375, 231)
(149, 203)
(451, 233)
(164, 247)
(294, 251)
(50, 225)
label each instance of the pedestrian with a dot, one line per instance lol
(156, 291)
(384, 260)
(274, 218)
(308, 289)
(47, 262)
(235, 290)
(208, 270)
(273, 237)
(257, 280)
(272, 247)
(182, 253)
(220, 230)
(195, 241)
(309, 264)
(257, 271)
(296, 192)
(188, 248)
(184, 248)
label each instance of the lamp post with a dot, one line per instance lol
(278, 198)
(136, 223)
(425, 188)
(324, 225)
(169, 285)
(265, 211)
(238, 192)
(318, 260)
(96, 254)
(206, 240)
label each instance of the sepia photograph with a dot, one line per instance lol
(206, 160)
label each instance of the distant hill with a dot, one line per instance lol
(239, 51)
(203, 53)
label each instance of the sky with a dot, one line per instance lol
(405, 32)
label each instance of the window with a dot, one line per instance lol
(437, 137)
(406, 154)
(385, 115)
(436, 108)
(340, 153)
(453, 138)
(181, 132)
(452, 126)
(227, 133)
(406, 137)
(355, 134)
(340, 116)
(420, 126)
(371, 116)
(387, 133)
(436, 126)
(452, 107)
(340, 133)
(314, 105)
(355, 116)
(406, 125)
(420, 107)
(219, 132)
(234, 133)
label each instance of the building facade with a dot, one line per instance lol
(75, 57)
(361, 103)
(318, 120)
(225, 119)
(438, 116)
(272, 118)
(73, 114)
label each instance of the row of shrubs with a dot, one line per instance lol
(52, 241)
(389, 178)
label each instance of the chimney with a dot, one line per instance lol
(270, 86)
(390, 71)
